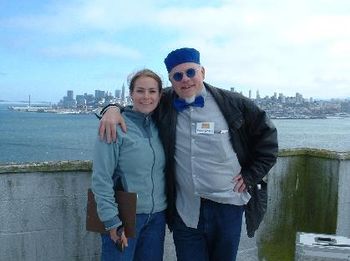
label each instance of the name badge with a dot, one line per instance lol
(205, 128)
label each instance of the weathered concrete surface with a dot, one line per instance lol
(343, 225)
(43, 215)
(307, 194)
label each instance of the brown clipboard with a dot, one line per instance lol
(127, 213)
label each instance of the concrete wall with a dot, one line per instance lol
(343, 225)
(308, 192)
(42, 213)
(42, 207)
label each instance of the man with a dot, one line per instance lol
(219, 146)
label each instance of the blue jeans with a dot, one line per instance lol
(217, 235)
(147, 245)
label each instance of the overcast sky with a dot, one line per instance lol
(285, 46)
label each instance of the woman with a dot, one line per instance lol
(138, 158)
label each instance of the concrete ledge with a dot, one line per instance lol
(50, 166)
(86, 165)
(317, 153)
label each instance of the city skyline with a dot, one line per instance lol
(277, 106)
(250, 94)
(123, 96)
(47, 47)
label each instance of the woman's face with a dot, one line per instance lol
(145, 94)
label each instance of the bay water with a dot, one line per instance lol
(36, 137)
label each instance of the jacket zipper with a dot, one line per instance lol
(154, 158)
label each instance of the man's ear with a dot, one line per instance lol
(203, 72)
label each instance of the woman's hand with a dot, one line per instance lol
(119, 238)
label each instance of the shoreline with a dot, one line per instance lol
(50, 109)
(47, 109)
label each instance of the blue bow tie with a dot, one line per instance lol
(181, 104)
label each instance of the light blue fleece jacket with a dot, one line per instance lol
(138, 157)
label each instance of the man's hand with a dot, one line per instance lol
(239, 185)
(108, 123)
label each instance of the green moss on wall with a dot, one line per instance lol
(308, 203)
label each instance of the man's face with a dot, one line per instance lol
(187, 79)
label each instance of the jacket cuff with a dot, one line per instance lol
(112, 223)
(248, 180)
(115, 105)
(100, 113)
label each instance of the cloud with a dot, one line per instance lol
(91, 50)
(282, 46)
(313, 29)
(84, 15)
(279, 46)
(340, 49)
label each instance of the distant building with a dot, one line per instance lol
(118, 94)
(123, 93)
(257, 95)
(99, 95)
(90, 99)
(70, 95)
(299, 98)
(281, 98)
(81, 102)
(108, 99)
(68, 101)
(128, 100)
(345, 106)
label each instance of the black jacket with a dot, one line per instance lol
(253, 138)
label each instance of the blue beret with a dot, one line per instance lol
(182, 55)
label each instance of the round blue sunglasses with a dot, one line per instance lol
(190, 73)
